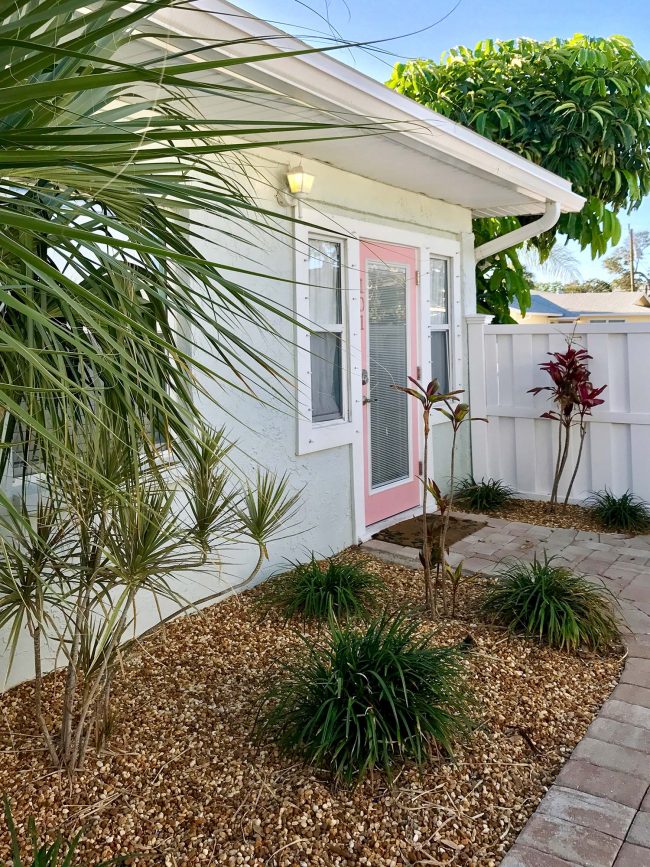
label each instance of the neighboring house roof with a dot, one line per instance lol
(541, 304)
(572, 304)
(409, 147)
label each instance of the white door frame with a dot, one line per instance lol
(427, 245)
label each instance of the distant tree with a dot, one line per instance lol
(593, 285)
(578, 107)
(618, 264)
(559, 265)
(553, 286)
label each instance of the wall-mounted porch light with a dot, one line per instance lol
(300, 182)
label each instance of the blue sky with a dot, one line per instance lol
(463, 23)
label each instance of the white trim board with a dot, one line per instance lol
(352, 230)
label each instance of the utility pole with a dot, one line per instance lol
(631, 258)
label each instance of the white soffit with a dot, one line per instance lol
(408, 145)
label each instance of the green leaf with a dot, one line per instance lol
(579, 107)
(112, 290)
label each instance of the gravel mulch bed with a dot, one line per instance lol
(184, 781)
(539, 512)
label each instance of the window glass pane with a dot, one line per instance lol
(326, 380)
(325, 282)
(440, 358)
(439, 292)
(388, 365)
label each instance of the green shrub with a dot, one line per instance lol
(553, 604)
(626, 513)
(319, 590)
(56, 854)
(484, 496)
(369, 699)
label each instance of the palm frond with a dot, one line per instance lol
(108, 176)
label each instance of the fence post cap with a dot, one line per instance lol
(478, 319)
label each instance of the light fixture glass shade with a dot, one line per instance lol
(300, 182)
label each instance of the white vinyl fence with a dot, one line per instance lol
(519, 447)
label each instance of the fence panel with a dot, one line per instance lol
(519, 447)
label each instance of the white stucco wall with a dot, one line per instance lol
(269, 433)
(265, 430)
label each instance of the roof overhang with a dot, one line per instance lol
(409, 147)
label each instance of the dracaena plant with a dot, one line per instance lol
(74, 581)
(428, 396)
(447, 404)
(456, 415)
(575, 397)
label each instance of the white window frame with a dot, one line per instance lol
(340, 328)
(440, 328)
(314, 436)
(443, 248)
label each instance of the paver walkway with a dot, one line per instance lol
(597, 813)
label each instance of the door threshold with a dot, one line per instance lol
(370, 531)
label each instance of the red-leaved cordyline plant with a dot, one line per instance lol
(575, 397)
(456, 413)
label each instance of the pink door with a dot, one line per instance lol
(389, 351)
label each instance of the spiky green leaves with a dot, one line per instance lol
(318, 590)
(267, 508)
(484, 496)
(369, 699)
(113, 289)
(627, 513)
(554, 605)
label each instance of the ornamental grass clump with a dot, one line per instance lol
(553, 604)
(318, 590)
(369, 699)
(484, 496)
(626, 513)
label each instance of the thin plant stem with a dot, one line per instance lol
(426, 553)
(100, 680)
(38, 690)
(445, 523)
(556, 477)
(436, 588)
(583, 434)
(71, 677)
(565, 456)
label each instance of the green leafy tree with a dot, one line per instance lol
(579, 107)
(593, 285)
(618, 264)
(553, 286)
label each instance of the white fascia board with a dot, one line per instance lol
(320, 74)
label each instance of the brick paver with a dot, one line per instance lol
(598, 810)
(597, 813)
